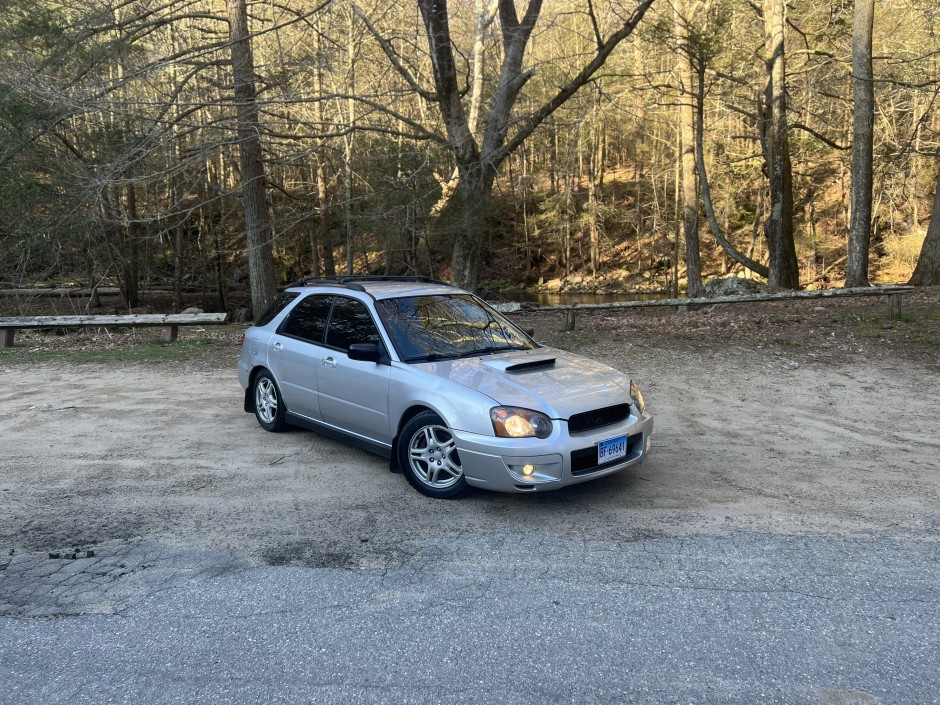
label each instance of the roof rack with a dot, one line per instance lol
(352, 281)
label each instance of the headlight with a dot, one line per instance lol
(637, 397)
(513, 422)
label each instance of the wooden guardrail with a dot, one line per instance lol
(893, 292)
(168, 322)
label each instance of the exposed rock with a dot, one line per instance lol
(192, 309)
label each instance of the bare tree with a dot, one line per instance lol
(862, 133)
(784, 270)
(688, 189)
(477, 163)
(257, 220)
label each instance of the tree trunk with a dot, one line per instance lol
(862, 81)
(719, 235)
(349, 143)
(595, 176)
(473, 198)
(784, 269)
(688, 198)
(130, 280)
(319, 233)
(257, 221)
(927, 272)
(326, 241)
(178, 264)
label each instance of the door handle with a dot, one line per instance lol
(277, 346)
(329, 362)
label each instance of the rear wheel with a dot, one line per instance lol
(269, 406)
(427, 454)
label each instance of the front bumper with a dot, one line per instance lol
(496, 463)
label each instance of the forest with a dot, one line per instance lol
(224, 148)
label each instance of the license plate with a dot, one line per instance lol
(611, 449)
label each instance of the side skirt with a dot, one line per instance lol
(365, 444)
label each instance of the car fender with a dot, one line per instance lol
(461, 408)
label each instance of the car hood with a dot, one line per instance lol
(569, 385)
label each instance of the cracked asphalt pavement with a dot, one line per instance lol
(780, 545)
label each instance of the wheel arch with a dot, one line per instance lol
(249, 390)
(406, 416)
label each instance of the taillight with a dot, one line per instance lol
(241, 339)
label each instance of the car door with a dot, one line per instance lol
(353, 393)
(294, 354)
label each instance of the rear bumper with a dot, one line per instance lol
(496, 463)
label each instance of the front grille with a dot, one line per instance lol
(589, 420)
(584, 461)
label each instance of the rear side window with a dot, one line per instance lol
(351, 323)
(279, 305)
(307, 320)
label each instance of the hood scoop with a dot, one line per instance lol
(531, 365)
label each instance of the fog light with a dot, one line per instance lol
(528, 469)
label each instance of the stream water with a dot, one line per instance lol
(569, 298)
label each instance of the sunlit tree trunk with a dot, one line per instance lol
(784, 269)
(257, 221)
(688, 189)
(864, 117)
(349, 144)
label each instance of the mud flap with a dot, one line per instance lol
(393, 465)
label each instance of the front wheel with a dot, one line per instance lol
(269, 406)
(427, 454)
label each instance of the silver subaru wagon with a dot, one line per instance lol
(435, 379)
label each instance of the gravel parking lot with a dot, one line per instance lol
(778, 545)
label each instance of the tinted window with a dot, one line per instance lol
(276, 307)
(434, 327)
(351, 323)
(308, 319)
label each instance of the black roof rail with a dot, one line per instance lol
(352, 281)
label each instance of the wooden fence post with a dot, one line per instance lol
(894, 306)
(569, 320)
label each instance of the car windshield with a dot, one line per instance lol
(425, 328)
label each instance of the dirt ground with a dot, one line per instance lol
(772, 417)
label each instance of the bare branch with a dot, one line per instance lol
(820, 137)
(392, 56)
(597, 31)
(531, 122)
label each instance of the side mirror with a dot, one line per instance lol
(367, 352)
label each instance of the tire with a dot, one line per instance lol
(427, 455)
(269, 405)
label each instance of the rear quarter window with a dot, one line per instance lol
(279, 305)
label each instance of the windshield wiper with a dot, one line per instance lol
(436, 357)
(489, 351)
(431, 357)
